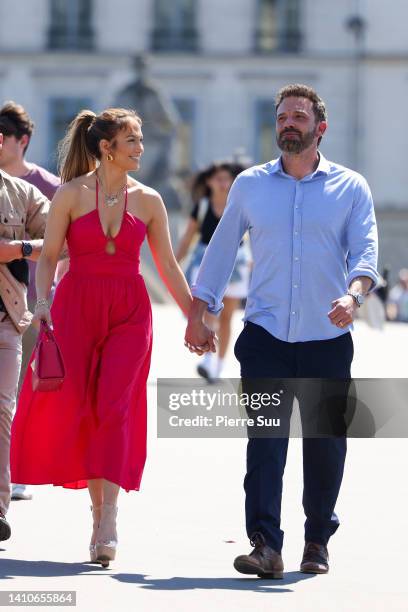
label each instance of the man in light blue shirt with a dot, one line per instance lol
(313, 237)
(310, 238)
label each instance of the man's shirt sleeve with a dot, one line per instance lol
(219, 258)
(362, 237)
(38, 208)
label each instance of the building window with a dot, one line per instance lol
(175, 26)
(265, 131)
(185, 141)
(71, 25)
(61, 112)
(278, 26)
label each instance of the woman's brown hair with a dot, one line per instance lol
(79, 150)
(201, 189)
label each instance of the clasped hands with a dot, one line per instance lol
(199, 338)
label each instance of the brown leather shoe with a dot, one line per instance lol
(262, 561)
(315, 559)
(5, 530)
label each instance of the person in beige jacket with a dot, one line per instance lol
(23, 209)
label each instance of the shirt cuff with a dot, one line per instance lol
(214, 304)
(364, 272)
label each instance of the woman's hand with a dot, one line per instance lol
(199, 338)
(41, 313)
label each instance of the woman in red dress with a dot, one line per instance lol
(92, 432)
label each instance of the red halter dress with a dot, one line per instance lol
(95, 425)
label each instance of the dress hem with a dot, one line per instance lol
(74, 484)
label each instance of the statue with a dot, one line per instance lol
(160, 121)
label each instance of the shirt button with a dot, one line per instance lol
(296, 233)
(295, 286)
(293, 312)
(296, 258)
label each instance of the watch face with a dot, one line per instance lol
(360, 299)
(27, 249)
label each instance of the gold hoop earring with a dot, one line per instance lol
(109, 157)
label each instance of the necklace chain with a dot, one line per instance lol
(111, 199)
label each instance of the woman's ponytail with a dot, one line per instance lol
(79, 150)
(74, 156)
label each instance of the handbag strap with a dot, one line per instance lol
(45, 331)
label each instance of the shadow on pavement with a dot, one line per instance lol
(12, 568)
(180, 583)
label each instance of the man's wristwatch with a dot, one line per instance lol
(357, 297)
(26, 248)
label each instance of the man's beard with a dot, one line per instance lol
(290, 145)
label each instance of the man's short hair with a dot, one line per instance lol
(15, 121)
(303, 91)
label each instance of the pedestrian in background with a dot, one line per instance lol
(210, 191)
(23, 210)
(397, 303)
(17, 128)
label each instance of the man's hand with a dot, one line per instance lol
(199, 338)
(342, 311)
(10, 250)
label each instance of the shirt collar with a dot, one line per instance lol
(275, 166)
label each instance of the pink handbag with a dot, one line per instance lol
(49, 370)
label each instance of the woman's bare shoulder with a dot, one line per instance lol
(69, 193)
(85, 181)
(146, 192)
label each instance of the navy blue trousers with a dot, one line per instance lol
(262, 355)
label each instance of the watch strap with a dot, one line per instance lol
(356, 297)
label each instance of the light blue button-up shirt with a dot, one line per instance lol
(309, 238)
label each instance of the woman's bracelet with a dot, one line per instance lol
(42, 302)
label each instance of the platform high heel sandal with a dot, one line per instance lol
(96, 514)
(106, 537)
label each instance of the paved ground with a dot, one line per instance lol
(179, 535)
